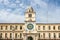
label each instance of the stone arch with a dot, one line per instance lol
(29, 38)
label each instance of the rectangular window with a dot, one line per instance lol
(58, 27)
(6, 27)
(59, 35)
(30, 15)
(0, 35)
(43, 27)
(49, 27)
(10, 35)
(1, 27)
(54, 35)
(53, 27)
(20, 35)
(49, 35)
(15, 35)
(10, 27)
(38, 27)
(39, 35)
(16, 27)
(20, 27)
(5, 35)
(43, 35)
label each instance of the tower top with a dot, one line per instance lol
(29, 9)
(30, 15)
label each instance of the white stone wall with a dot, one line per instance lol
(8, 31)
(41, 31)
(47, 31)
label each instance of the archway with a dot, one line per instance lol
(29, 38)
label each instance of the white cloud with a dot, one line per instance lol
(53, 17)
(40, 3)
(12, 5)
(1, 1)
(10, 17)
(8, 10)
(21, 5)
(47, 13)
(17, 1)
(6, 2)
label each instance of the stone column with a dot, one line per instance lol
(24, 37)
(36, 37)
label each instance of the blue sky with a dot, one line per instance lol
(12, 11)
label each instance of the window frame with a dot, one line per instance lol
(10, 35)
(20, 27)
(20, 35)
(1, 35)
(15, 35)
(54, 35)
(1, 27)
(29, 15)
(53, 27)
(49, 35)
(38, 27)
(43, 27)
(5, 35)
(49, 27)
(59, 35)
(6, 27)
(58, 27)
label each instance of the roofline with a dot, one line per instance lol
(12, 23)
(47, 23)
(36, 23)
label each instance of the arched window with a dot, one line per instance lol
(54, 35)
(6, 27)
(38, 27)
(5, 35)
(11, 27)
(49, 27)
(16, 27)
(58, 27)
(10, 35)
(20, 35)
(43, 35)
(1, 35)
(1, 27)
(20, 27)
(49, 35)
(30, 15)
(15, 35)
(39, 35)
(54, 27)
(59, 35)
(43, 27)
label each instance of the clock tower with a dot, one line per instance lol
(30, 19)
(30, 15)
(30, 24)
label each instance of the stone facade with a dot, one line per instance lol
(30, 30)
